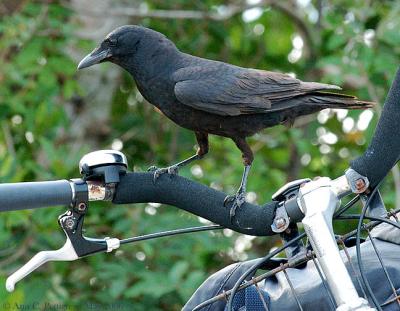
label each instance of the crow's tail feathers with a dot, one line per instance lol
(316, 101)
(339, 101)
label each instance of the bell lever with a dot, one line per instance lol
(101, 171)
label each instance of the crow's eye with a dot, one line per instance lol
(111, 42)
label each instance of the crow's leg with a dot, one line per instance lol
(202, 140)
(239, 198)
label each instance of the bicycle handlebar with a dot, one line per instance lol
(384, 150)
(197, 199)
(28, 195)
(180, 192)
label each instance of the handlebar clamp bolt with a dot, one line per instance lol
(280, 222)
(360, 184)
(357, 182)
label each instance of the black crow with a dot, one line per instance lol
(212, 97)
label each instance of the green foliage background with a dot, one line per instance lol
(354, 44)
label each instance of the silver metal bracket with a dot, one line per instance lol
(358, 183)
(281, 221)
(289, 191)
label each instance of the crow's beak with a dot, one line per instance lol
(93, 58)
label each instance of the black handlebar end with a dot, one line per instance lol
(384, 150)
(28, 195)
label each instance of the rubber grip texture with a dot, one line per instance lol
(197, 199)
(28, 195)
(384, 150)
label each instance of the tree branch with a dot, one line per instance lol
(227, 12)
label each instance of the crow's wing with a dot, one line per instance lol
(230, 91)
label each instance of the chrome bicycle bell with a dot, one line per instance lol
(107, 164)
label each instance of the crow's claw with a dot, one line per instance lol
(237, 201)
(228, 199)
(152, 168)
(170, 170)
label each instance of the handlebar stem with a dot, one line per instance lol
(318, 201)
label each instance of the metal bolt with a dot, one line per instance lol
(69, 223)
(81, 207)
(280, 222)
(360, 184)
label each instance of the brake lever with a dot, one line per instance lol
(101, 172)
(75, 247)
(65, 253)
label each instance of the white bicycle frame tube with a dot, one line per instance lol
(318, 201)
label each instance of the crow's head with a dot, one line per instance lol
(121, 44)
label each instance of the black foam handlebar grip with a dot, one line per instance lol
(384, 150)
(197, 199)
(28, 195)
